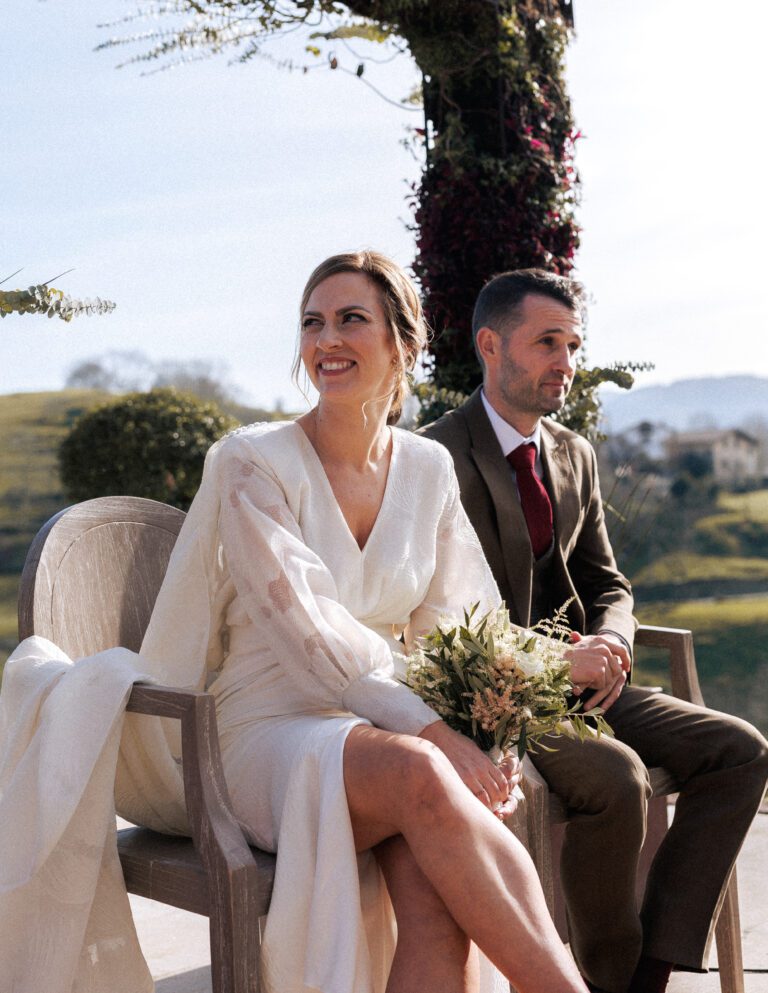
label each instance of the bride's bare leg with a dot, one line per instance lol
(433, 954)
(397, 784)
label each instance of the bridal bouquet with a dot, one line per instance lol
(501, 685)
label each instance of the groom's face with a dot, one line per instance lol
(530, 364)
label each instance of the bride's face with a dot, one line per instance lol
(346, 342)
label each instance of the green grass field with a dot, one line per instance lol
(32, 426)
(731, 645)
(751, 506)
(685, 567)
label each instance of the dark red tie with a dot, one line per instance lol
(534, 499)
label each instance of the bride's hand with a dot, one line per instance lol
(513, 770)
(491, 784)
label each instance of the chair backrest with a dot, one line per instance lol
(93, 572)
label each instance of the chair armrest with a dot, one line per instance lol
(218, 838)
(678, 642)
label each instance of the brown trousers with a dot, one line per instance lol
(721, 763)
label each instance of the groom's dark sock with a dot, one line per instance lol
(651, 976)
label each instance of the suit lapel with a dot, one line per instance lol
(512, 535)
(558, 478)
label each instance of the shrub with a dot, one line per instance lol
(143, 444)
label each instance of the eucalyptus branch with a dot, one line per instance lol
(212, 26)
(44, 299)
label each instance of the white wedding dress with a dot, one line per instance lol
(268, 601)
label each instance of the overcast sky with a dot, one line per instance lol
(200, 199)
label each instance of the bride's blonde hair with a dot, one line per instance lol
(402, 308)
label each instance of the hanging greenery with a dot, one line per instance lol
(581, 411)
(44, 299)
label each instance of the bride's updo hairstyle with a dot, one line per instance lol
(402, 308)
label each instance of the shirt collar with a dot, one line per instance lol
(509, 437)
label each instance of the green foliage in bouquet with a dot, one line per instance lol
(500, 685)
(143, 444)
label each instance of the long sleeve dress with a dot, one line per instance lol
(269, 601)
(312, 630)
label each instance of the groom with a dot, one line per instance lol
(531, 490)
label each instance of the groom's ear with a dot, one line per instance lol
(488, 343)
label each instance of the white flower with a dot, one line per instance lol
(529, 664)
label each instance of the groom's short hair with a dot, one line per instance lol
(500, 303)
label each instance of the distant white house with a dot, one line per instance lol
(732, 456)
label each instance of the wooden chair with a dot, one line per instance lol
(549, 817)
(89, 583)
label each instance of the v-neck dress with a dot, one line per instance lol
(312, 628)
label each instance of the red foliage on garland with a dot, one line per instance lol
(481, 212)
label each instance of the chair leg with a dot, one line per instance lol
(535, 812)
(557, 837)
(657, 825)
(530, 824)
(234, 965)
(235, 944)
(728, 938)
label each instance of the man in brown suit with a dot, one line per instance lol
(531, 490)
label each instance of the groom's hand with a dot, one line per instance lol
(599, 662)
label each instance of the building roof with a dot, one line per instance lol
(711, 436)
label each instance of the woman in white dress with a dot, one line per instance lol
(340, 534)
(310, 549)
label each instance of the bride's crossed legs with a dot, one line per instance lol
(455, 874)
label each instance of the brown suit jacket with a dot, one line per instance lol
(583, 565)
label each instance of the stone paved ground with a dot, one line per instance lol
(176, 943)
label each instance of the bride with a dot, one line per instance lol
(338, 528)
(322, 545)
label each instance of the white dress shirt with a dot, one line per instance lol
(509, 437)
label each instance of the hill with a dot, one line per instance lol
(32, 426)
(716, 401)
